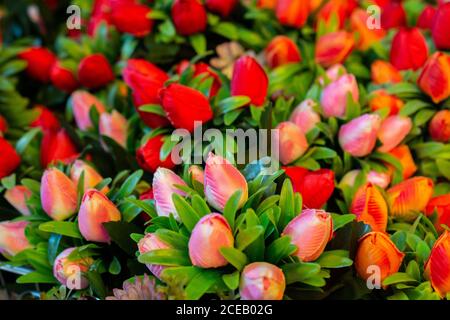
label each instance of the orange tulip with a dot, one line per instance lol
(437, 267)
(370, 207)
(384, 72)
(381, 99)
(365, 36)
(439, 127)
(281, 50)
(292, 13)
(334, 48)
(440, 204)
(403, 154)
(435, 77)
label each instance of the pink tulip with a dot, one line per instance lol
(197, 173)
(310, 232)
(115, 126)
(379, 179)
(82, 101)
(335, 96)
(262, 281)
(333, 73)
(222, 180)
(292, 142)
(58, 195)
(304, 115)
(70, 273)
(95, 210)
(211, 233)
(149, 243)
(392, 131)
(358, 137)
(164, 182)
(18, 197)
(12, 237)
(91, 176)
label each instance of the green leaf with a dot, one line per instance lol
(36, 277)
(334, 259)
(201, 283)
(340, 220)
(320, 153)
(96, 283)
(231, 207)
(398, 277)
(286, 203)
(153, 108)
(444, 167)
(146, 207)
(299, 271)
(114, 266)
(279, 249)
(128, 186)
(247, 236)
(200, 206)
(65, 228)
(232, 103)
(187, 215)
(120, 231)
(9, 182)
(413, 270)
(25, 140)
(198, 42)
(237, 258)
(412, 107)
(172, 238)
(231, 280)
(167, 257)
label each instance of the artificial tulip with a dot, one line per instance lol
(366, 36)
(437, 268)
(358, 137)
(441, 27)
(58, 195)
(91, 176)
(383, 72)
(132, 18)
(12, 237)
(333, 48)
(291, 141)
(45, 120)
(151, 242)
(310, 232)
(392, 131)
(95, 210)
(426, 18)
(115, 126)
(403, 155)
(280, 51)
(71, 272)
(63, 78)
(335, 96)
(18, 196)
(189, 17)
(439, 127)
(211, 233)
(39, 63)
(148, 156)
(370, 207)
(82, 102)
(440, 205)
(292, 13)
(164, 186)
(94, 71)
(57, 146)
(304, 115)
(381, 100)
(379, 179)
(9, 159)
(262, 281)
(393, 15)
(434, 79)
(222, 7)
(409, 49)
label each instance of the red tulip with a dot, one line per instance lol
(316, 187)
(57, 146)
(426, 18)
(148, 155)
(63, 78)
(440, 205)
(282, 50)
(434, 79)
(393, 15)
(342, 9)
(132, 18)
(9, 159)
(40, 62)
(222, 7)
(205, 71)
(94, 71)
(409, 49)
(441, 27)
(333, 48)
(439, 127)
(249, 79)
(292, 13)
(184, 106)
(45, 120)
(189, 17)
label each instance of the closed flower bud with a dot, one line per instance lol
(437, 268)
(403, 155)
(39, 63)
(304, 115)
(222, 7)
(379, 179)
(95, 210)
(184, 106)
(211, 233)
(440, 205)
(266, 4)
(262, 281)
(189, 17)
(441, 27)
(82, 102)
(409, 49)
(426, 18)
(9, 159)
(57, 146)
(164, 186)
(91, 176)
(333, 73)
(291, 141)
(72, 272)
(383, 72)
(334, 97)
(439, 127)
(58, 195)
(205, 72)
(249, 79)
(340, 9)
(63, 78)
(366, 36)
(370, 207)
(435, 77)
(334, 48)
(392, 131)
(292, 13)
(409, 197)
(12, 237)
(381, 99)
(392, 15)
(281, 50)
(151, 242)
(197, 174)
(18, 196)
(45, 120)
(375, 249)
(94, 71)
(222, 180)
(148, 155)
(358, 137)
(132, 18)
(115, 126)
(310, 232)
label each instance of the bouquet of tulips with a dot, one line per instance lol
(122, 169)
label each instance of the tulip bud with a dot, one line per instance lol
(222, 7)
(438, 265)
(340, 9)
(379, 179)
(426, 18)
(403, 155)
(267, 4)
(366, 36)
(45, 120)
(184, 106)
(381, 99)
(57, 146)
(58, 195)
(409, 49)
(333, 73)
(383, 72)
(132, 18)
(18, 196)
(63, 78)
(291, 141)
(222, 180)
(206, 73)
(9, 159)
(249, 79)
(392, 131)
(151, 242)
(333, 48)
(91, 176)
(262, 281)
(358, 137)
(316, 187)
(189, 17)
(441, 27)
(280, 51)
(70, 273)
(393, 15)
(95, 210)
(334, 97)
(376, 249)
(310, 232)
(164, 186)
(304, 115)
(3, 126)
(434, 79)
(292, 13)
(115, 126)
(439, 127)
(440, 205)
(370, 207)
(211, 233)
(197, 173)
(94, 71)
(82, 102)
(12, 237)
(39, 63)
(409, 197)
(148, 155)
